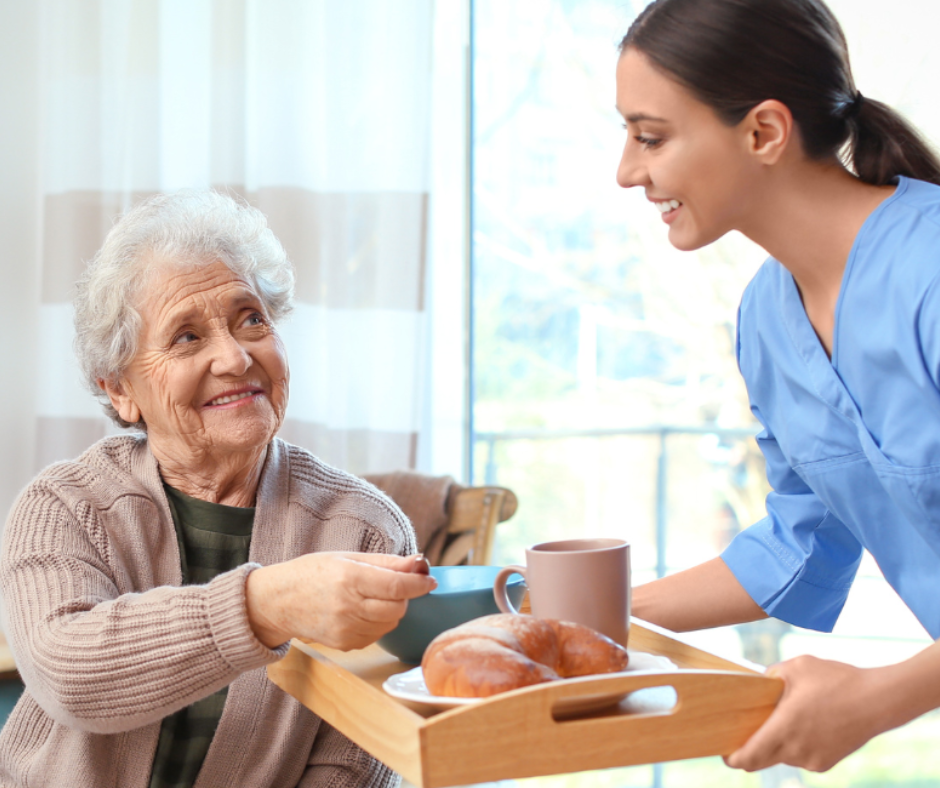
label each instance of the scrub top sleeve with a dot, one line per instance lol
(798, 562)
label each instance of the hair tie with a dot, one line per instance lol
(853, 108)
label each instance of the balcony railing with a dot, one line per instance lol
(660, 431)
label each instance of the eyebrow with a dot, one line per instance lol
(185, 316)
(641, 116)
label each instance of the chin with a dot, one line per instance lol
(686, 246)
(248, 436)
(687, 243)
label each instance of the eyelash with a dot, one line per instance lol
(648, 142)
(178, 337)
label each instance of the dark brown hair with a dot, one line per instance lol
(734, 54)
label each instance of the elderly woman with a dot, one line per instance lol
(147, 583)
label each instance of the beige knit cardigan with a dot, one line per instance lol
(108, 642)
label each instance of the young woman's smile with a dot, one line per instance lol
(692, 166)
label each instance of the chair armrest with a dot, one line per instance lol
(474, 514)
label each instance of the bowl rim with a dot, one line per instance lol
(439, 592)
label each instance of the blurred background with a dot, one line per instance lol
(476, 296)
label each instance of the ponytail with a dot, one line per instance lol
(882, 145)
(734, 54)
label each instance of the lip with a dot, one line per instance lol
(251, 389)
(670, 216)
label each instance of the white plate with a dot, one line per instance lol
(410, 686)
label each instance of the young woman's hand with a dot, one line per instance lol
(827, 711)
(341, 600)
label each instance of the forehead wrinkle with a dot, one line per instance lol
(191, 311)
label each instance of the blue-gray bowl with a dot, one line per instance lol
(463, 593)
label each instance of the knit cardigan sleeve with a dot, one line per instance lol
(100, 660)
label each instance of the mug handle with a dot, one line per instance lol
(499, 588)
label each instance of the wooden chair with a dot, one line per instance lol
(471, 529)
(455, 524)
(7, 665)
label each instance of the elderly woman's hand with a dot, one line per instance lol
(341, 600)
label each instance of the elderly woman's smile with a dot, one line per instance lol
(209, 379)
(234, 398)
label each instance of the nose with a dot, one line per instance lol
(230, 358)
(632, 171)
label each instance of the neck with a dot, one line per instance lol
(807, 216)
(231, 479)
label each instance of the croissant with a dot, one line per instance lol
(502, 652)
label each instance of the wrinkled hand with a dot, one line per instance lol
(827, 711)
(341, 600)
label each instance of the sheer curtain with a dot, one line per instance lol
(318, 112)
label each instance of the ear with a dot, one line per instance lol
(770, 129)
(121, 400)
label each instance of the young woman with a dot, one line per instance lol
(743, 115)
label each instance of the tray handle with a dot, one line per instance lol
(699, 693)
(692, 692)
(714, 714)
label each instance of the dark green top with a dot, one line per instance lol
(213, 539)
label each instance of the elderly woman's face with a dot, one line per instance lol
(210, 375)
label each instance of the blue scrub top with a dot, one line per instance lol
(852, 444)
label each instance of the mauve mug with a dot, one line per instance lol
(586, 581)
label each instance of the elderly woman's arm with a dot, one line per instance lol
(104, 661)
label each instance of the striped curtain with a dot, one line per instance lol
(316, 111)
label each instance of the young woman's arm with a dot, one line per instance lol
(707, 595)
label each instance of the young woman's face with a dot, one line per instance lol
(695, 169)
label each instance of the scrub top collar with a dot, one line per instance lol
(824, 371)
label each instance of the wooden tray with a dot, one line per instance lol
(714, 706)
